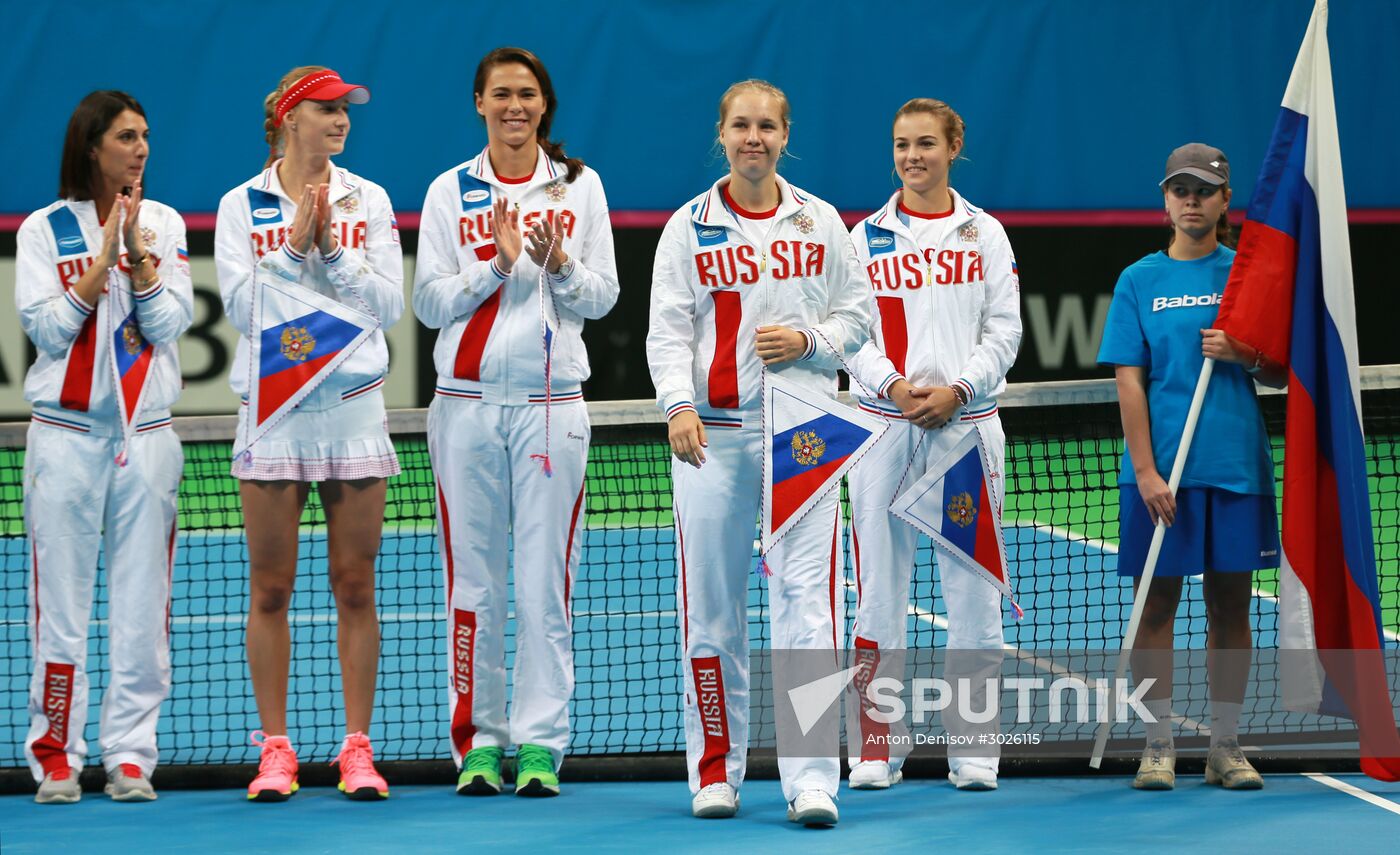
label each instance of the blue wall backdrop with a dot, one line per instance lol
(1070, 104)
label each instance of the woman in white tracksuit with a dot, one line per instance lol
(304, 223)
(946, 332)
(751, 275)
(515, 252)
(101, 268)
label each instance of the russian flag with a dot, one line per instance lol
(809, 442)
(300, 338)
(132, 355)
(955, 504)
(1290, 296)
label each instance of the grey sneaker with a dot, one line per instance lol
(59, 788)
(1226, 765)
(126, 784)
(1157, 771)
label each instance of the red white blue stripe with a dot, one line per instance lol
(60, 422)
(362, 389)
(1290, 296)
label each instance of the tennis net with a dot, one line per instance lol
(1061, 525)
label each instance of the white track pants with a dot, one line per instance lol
(883, 547)
(716, 507)
(77, 501)
(492, 494)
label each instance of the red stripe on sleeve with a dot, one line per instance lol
(724, 371)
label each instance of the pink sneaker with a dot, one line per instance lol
(358, 779)
(277, 769)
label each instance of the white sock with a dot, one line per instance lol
(1161, 709)
(1224, 721)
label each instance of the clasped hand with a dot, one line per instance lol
(928, 407)
(313, 221)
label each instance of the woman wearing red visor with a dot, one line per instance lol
(308, 258)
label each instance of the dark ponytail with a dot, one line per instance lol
(1224, 232)
(520, 56)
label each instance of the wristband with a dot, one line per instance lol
(960, 395)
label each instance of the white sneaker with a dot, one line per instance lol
(126, 784)
(717, 801)
(873, 775)
(812, 808)
(59, 788)
(974, 778)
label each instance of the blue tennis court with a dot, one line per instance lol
(1293, 813)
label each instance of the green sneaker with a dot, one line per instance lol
(481, 772)
(534, 772)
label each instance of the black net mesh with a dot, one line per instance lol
(1061, 533)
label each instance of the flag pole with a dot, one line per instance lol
(1153, 551)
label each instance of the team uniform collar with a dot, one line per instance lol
(889, 216)
(85, 211)
(342, 183)
(546, 170)
(712, 210)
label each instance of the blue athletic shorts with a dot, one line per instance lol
(1215, 530)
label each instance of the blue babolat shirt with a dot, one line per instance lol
(1159, 308)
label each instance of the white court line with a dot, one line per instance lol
(1105, 546)
(1352, 790)
(1051, 667)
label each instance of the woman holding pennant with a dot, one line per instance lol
(515, 254)
(311, 274)
(102, 285)
(1222, 520)
(947, 328)
(751, 276)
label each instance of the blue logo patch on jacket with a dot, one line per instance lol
(475, 193)
(707, 235)
(878, 240)
(265, 206)
(67, 234)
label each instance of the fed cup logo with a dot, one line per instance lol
(807, 448)
(297, 344)
(961, 510)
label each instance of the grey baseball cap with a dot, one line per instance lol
(1202, 161)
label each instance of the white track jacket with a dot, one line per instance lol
(945, 315)
(490, 347)
(712, 288)
(71, 380)
(366, 272)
